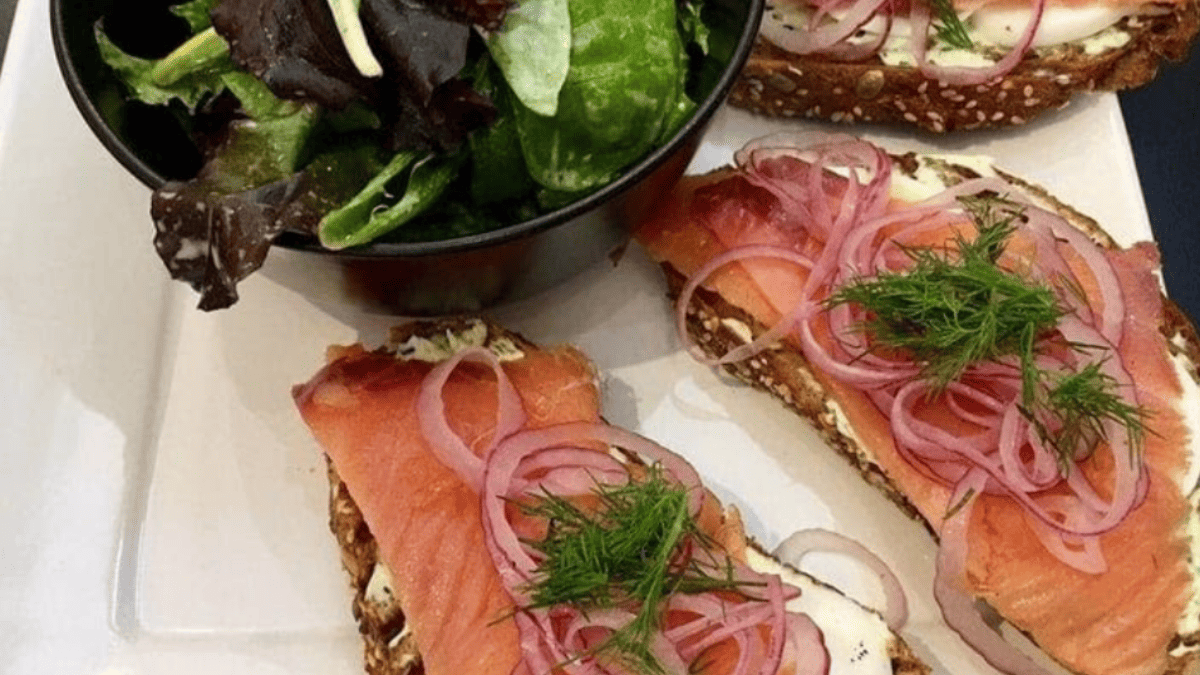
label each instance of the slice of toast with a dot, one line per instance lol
(389, 648)
(780, 83)
(717, 325)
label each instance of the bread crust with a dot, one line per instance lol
(778, 83)
(716, 327)
(387, 648)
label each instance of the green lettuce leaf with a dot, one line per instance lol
(191, 73)
(533, 50)
(626, 84)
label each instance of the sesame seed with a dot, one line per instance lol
(910, 117)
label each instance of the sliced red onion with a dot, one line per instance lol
(802, 542)
(431, 412)
(950, 584)
(570, 448)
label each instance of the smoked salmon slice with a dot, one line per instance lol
(1128, 619)
(362, 410)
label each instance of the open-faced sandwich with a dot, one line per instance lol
(985, 355)
(975, 63)
(491, 522)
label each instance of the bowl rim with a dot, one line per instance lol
(696, 123)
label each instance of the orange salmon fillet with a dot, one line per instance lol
(427, 522)
(1120, 622)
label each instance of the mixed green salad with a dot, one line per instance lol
(355, 121)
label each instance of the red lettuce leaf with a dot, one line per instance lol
(295, 48)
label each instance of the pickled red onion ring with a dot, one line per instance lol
(802, 542)
(950, 582)
(445, 443)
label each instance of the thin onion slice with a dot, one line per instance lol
(802, 542)
(431, 412)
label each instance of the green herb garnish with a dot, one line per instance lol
(958, 307)
(633, 550)
(950, 28)
(1077, 405)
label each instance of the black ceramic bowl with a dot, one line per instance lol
(439, 277)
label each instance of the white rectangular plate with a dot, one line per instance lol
(166, 507)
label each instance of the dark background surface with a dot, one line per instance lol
(1163, 119)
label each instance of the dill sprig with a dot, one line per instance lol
(950, 28)
(1074, 408)
(634, 549)
(956, 307)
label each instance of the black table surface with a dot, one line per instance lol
(1164, 133)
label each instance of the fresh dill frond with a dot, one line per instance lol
(624, 552)
(950, 28)
(1075, 407)
(955, 308)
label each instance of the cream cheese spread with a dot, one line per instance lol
(858, 639)
(438, 348)
(1189, 408)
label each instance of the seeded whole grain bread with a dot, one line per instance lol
(717, 326)
(388, 648)
(778, 83)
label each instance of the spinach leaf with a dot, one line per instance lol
(626, 81)
(533, 49)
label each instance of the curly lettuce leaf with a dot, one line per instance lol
(296, 48)
(216, 229)
(191, 73)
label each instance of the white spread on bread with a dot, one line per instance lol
(440, 347)
(1189, 408)
(857, 639)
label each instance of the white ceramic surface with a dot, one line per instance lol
(164, 508)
